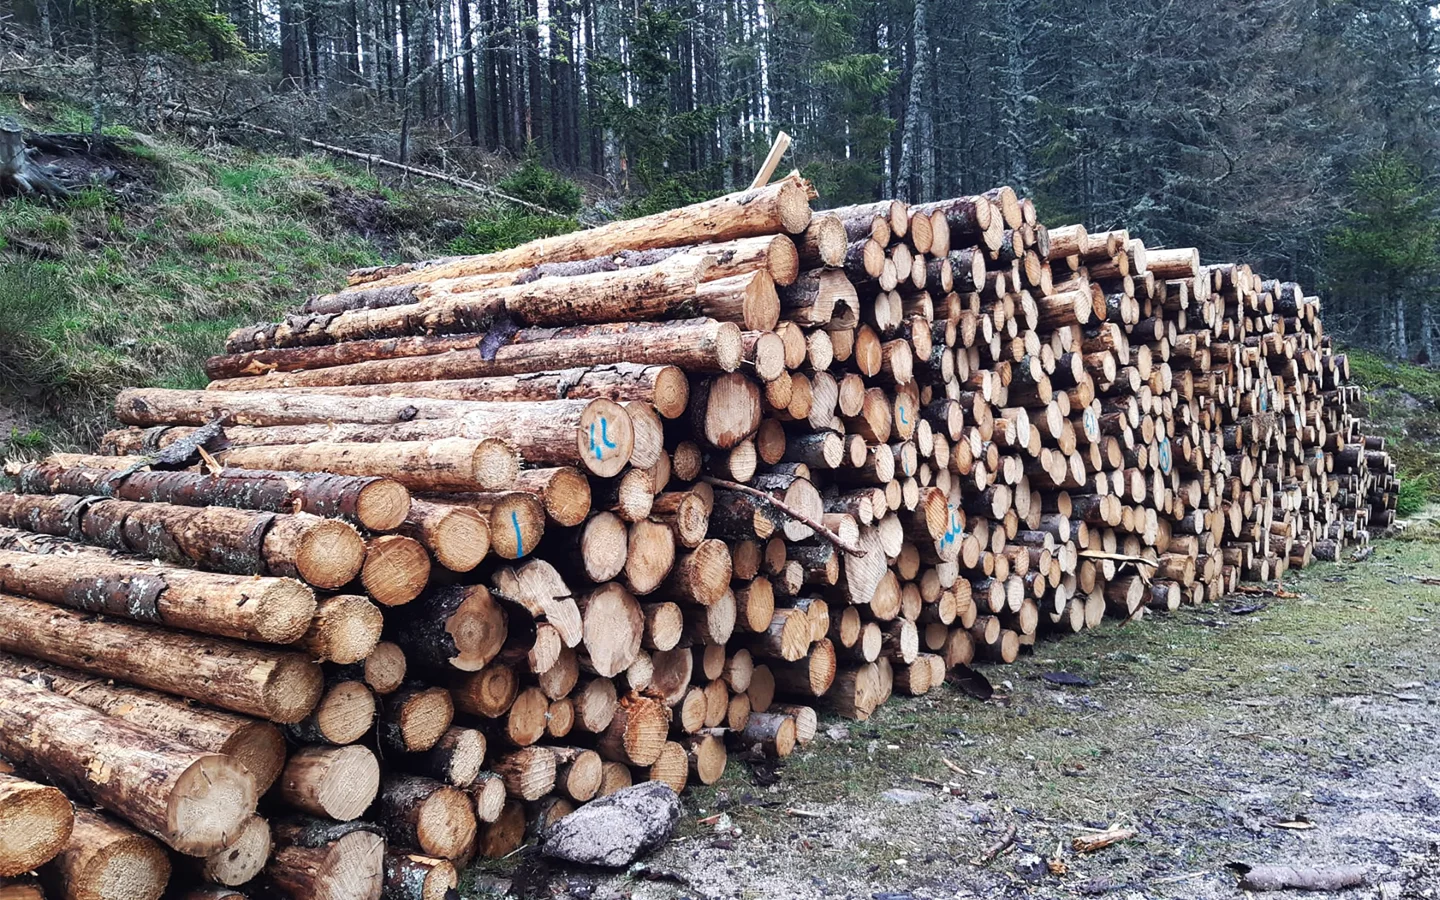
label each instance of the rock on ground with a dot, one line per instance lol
(615, 830)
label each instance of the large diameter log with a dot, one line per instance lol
(270, 610)
(457, 627)
(106, 859)
(613, 627)
(324, 552)
(781, 207)
(193, 801)
(665, 387)
(595, 434)
(663, 291)
(271, 684)
(378, 504)
(694, 345)
(450, 464)
(35, 824)
(257, 745)
(319, 860)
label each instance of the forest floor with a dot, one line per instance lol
(1298, 726)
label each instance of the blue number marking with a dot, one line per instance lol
(605, 433)
(519, 540)
(904, 420)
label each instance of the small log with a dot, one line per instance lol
(410, 876)
(338, 782)
(319, 860)
(35, 824)
(102, 852)
(426, 815)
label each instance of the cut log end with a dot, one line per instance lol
(35, 824)
(292, 689)
(243, 859)
(605, 438)
(330, 554)
(396, 569)
(209, 805)
(382, 505)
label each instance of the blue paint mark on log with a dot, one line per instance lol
(519, 539)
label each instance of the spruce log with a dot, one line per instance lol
(395, 571)
(665, 290)
(106, 859)
(271, 684)
(452, 627)
(694, 345)
(242, 860)
(665, 387)
(781, 207)
(595, 434)
(426, 815)
(194, 801)
(345, 630)
(451, 464)
(458, 537)
(35, 824)
(410, 876)
(613, 626)
(337, 782)
(319, 860)
(378, 504)
(324, 552)
(455, 758)
(271, 610)
(415, 718)
(636, 733)
(258, 745)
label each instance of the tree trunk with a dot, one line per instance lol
(35, 822)
(98, 849)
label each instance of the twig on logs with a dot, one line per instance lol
(989, 853)
(803, 519)
(1118, 557)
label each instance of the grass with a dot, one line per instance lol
(136, 285)
(1403, 406)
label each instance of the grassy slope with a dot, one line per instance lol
(137, 285)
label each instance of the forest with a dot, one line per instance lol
(1299, 134)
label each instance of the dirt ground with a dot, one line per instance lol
(1266, 728)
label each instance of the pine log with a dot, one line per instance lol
(106, 859)
(259, 746)
(378, 504)
(194, 801)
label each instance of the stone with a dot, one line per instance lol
(904, 797)
(616, 830)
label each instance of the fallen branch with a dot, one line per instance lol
(1099, 840)
(989, 853)
(803, 519)
(1118, 557)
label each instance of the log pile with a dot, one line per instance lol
(469, 543)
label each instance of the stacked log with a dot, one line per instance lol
(468, 544)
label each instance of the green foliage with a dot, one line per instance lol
(34, 323)
(1415, 492)
(536, 184)
(507, 228)
(668, 194)
(1391, 236)
(190, 29)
